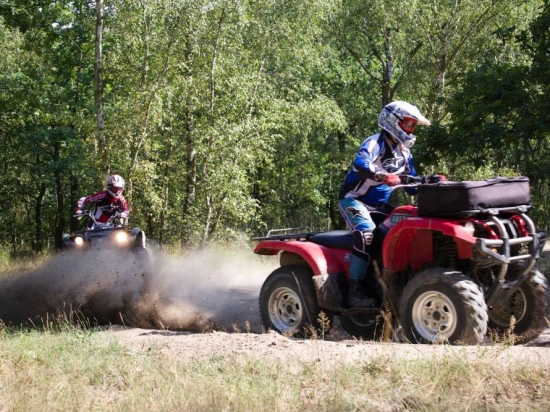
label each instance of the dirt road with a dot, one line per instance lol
(209, 305)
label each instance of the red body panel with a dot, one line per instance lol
(321, 259)
(409, 242)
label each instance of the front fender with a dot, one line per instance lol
(409, 243)
(138, 237)
(321, 260)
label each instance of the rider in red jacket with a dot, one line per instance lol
(110, 197)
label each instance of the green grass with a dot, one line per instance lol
(67, 367)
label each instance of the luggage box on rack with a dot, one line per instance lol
(447, 198)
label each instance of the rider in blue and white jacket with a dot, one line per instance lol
(369, 183)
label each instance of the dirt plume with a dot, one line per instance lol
(205, 289)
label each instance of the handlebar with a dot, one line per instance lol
(409, 180)
(91, 216)
(90, 213)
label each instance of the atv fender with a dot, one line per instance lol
(67, 243)
(409, 243)
(139, 238)
(320, 259)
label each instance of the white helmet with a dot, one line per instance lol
(399, 119)
(115, 185)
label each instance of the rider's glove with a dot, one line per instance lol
(78, 212)
(123, 215)
(435, 178)
(390, 180)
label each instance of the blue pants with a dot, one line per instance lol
(357, 216)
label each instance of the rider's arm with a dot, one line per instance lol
(80, 204)
(86, 200)
(124, 207)
(364, 163)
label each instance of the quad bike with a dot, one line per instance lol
(438, 275)
(99, 235)
(113, 235)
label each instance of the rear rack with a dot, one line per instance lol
(492, 211)
(293, 233)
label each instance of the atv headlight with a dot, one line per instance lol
(470, 228)
(122, 237)
(78, 240)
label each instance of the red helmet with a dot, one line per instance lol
(115, 185)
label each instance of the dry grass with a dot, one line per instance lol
(66, 366)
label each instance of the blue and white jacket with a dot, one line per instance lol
(377, 154)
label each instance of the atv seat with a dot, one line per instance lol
(341, 239)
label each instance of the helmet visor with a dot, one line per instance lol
(408, 124)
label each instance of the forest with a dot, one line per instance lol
(228, 118)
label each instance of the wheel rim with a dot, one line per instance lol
(434, 316)
(285, 309)
(501, 313)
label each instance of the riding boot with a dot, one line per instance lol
(356, 295)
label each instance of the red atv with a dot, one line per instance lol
(459, 262)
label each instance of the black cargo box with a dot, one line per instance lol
(447, 198)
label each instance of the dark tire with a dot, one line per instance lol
(145, 308)
(529, 306)
(366, 327)
(144, 267)
(442, 305)
(288, 303)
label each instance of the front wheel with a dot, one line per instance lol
(442, 305)
(146, 303)
(528, 305)
(288, 303)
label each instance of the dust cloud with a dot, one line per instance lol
(203, 290)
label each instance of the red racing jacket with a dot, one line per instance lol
(102, 199)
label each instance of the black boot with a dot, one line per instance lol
(356, 296)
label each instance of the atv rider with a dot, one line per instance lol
(111, 197)
(368, 185)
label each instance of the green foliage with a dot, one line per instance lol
(235, 116)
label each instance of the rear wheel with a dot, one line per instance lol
(442, 305)
(528, 304)
(288, 303)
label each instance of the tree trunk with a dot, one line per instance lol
(74, 199)
(38, 245)
(98, 91)
(60, 217)
(191, 153)
(209, 201)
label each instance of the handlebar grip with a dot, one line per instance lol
(409, 179)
